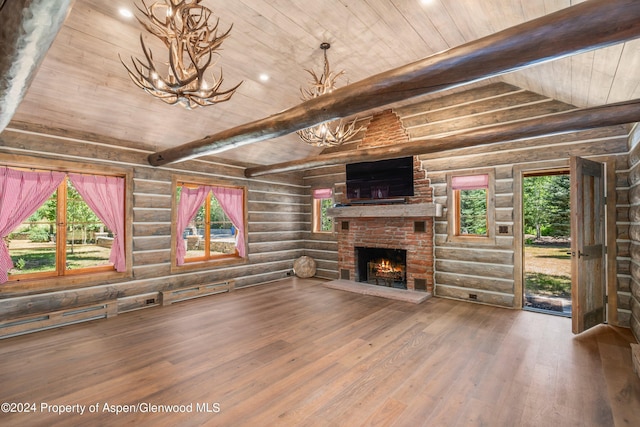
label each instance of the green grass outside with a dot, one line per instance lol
(548, 270)
(548, 285)
(40, 258)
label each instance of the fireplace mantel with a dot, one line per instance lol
(416, 210)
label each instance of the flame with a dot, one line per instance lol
(385, 266)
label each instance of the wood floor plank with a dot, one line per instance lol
(295, 353)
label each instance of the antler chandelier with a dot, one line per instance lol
(329, 133)
(184, 28)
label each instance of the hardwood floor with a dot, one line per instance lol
(295, 353)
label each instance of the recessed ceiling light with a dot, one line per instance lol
(264, 77)
(125, 12)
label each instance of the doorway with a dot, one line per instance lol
(546, 208)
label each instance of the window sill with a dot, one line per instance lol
(41, 285)
(208, 264)
(474, 240)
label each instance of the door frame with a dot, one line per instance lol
(611, 237)
(610, 228)
(519, 171)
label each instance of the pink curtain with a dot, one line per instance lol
(232, 202)
(21, 194)
(105, 196)
(322, 193)
(470, 182)
(190, 201)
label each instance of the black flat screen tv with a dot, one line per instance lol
(382, 179)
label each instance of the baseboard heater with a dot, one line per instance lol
(40, 322)
(191, 292)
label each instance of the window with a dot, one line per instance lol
(470, 204)
(210, 223)
(322, 200)
(57, 224)
(471, 213)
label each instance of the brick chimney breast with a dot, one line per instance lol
(413, 234)
(385, 128)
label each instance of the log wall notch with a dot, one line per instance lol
(629, 241)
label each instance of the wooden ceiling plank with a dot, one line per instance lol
(379, 17)
(472, 18)
(477, 107)
(605, 64)
(581, 70)
(416, 45)
(438, 16)
(338, 26)
(452, 101)
(489, 118)
(553, 5)
(619, 132)
(507, 13)
(521, 46)
(559, 72)
(626, 82)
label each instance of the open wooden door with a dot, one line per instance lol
(588, 268)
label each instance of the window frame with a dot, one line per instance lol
(453, 211)
(204, 262)
(62, 222)
(36, 283)
(317, 217)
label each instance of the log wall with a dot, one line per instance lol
(323, 247)
(279, 207)
(629, 238)
(278, 222)
(491, 272)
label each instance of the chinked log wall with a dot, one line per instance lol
(630, 281)
(490, 272)
(278, 222)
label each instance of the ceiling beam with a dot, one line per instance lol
(26, 34)
(565, 122)
(586, 26)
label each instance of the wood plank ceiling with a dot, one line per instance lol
(82, 87)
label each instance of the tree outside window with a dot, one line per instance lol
(207, 231)
(473, 212)
(471, 196)
(64, 235)
(322, 201)
(546, 205)
(210, 221)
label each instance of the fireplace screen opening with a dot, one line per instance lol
(382, 267)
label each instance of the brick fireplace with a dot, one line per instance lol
(408, 226)
(414, 235)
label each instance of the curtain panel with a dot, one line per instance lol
(190, 201)
(232, 202)
(21, 194)
(105, 196)
(470, 182)
(322, 193)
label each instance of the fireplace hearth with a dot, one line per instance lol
(382, 266)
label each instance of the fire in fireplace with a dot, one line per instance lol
(382, 266)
